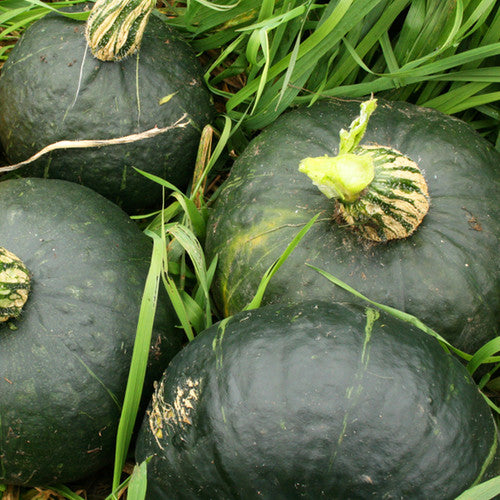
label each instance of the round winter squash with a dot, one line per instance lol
(421, 234)
(52, 89)
(72, 272)
(318, 400)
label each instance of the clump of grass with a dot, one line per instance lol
(262, 58)
(442, 54)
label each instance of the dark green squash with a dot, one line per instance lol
(445, 272)
(64, 359)
(53, 89)
(315, 401)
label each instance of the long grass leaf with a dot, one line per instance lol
(138, 482)
(62, 490)
(197, 222)
(195, 312)
(271, 271)
(311, 43)
(159, 180)
(178, 305)
(485, 355)
(80, 16)
(193, 248)
(139, 359)
(274, 22)
(476, 101)
(408, 318)
(483, 491)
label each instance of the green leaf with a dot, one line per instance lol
(193, 248)
(409, 318)
(196, 220)
(138, 482)
(271, 271)
(179, 306)
(483, 491)
(485, 354)
(139, 360)
(159, 180)
(62, 490)
(79, 16)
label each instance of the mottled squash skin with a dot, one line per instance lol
(445, 273)
(53, 89)
(315, 401)
(64, 361)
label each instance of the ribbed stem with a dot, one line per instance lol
(380, 192)
(115, 27)
(15, 283)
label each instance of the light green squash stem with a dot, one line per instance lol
(381, 193)
(346, 175)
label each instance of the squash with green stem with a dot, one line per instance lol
(143, 110)
(315, 400)
(415, 228)
(65, 356)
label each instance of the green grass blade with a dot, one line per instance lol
(483, 491)
(408, 318)
(159, 180)
(476, 101)
(210, 273)
(307, 46)
(195, 312)
(274, 22)
(263, 43)
(139, 360)
(454, 98)
(196, 220)
(62, 490)
(165, 215)
(485, 355)
(179, 307)
(79, 16)
(11, 14)
(271, 271)
(193, 248)
(138, 482)
(488, 382)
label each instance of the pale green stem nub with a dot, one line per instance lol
(115, 27)
(380, 192)
(346, 175)
(342, 177)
